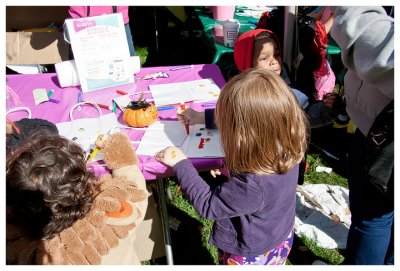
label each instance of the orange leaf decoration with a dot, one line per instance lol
(125, 211)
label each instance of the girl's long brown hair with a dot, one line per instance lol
(263, 129)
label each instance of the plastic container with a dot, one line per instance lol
(223, 13)
(231, 30)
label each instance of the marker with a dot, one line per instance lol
(182, 106)
(114, 108)
(121, 92)
(161, 108)
(54, 101)
(104, 106)
(79, 100)
(13, 125)
(51, 91)
(208, 104)
(181, 68)
(96, 150)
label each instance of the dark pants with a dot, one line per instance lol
(371, 234)
(130, 40)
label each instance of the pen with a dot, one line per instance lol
(181, 68)
(182, 106)
(79, 100)
(121, 92)
(54, 101)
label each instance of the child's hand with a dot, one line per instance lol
(333, 101)
(9, 128)
(215, 172)
(190, 116)
(101, 139)
(170, 156)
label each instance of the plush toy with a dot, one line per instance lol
(117, 210)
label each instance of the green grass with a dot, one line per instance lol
(142, 52)
(329, 256)
(313, 177)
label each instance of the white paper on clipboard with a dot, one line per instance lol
(100, 50)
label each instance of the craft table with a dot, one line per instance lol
(152, 170)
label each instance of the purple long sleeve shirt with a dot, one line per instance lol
(252, 213)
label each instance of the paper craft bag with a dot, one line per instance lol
(86, 130)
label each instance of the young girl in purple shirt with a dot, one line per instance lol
(264, 136)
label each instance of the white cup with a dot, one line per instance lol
(231, 30)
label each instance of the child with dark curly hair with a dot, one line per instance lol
(59, 213)
(47, 178)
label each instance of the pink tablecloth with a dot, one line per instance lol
(23, 85)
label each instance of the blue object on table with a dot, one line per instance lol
(208, 104)
(54, 101)
(79, 100)
(161, 108)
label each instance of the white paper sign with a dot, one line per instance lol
(101, 51)
(175, 93)
(199, 143)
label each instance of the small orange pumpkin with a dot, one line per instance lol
(140, 113)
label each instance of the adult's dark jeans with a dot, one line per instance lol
(371, 234)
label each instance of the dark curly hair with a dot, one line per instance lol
(48, 185)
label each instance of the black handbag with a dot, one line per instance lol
(380, 158)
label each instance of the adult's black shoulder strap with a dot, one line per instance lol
(382, 130)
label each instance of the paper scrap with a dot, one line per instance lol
(40, 95)
(122, 101)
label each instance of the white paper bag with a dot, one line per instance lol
(85, 131)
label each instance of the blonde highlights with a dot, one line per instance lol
(263, 129)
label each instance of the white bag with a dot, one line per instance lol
(85, 131)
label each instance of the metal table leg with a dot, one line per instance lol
(165, 220)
